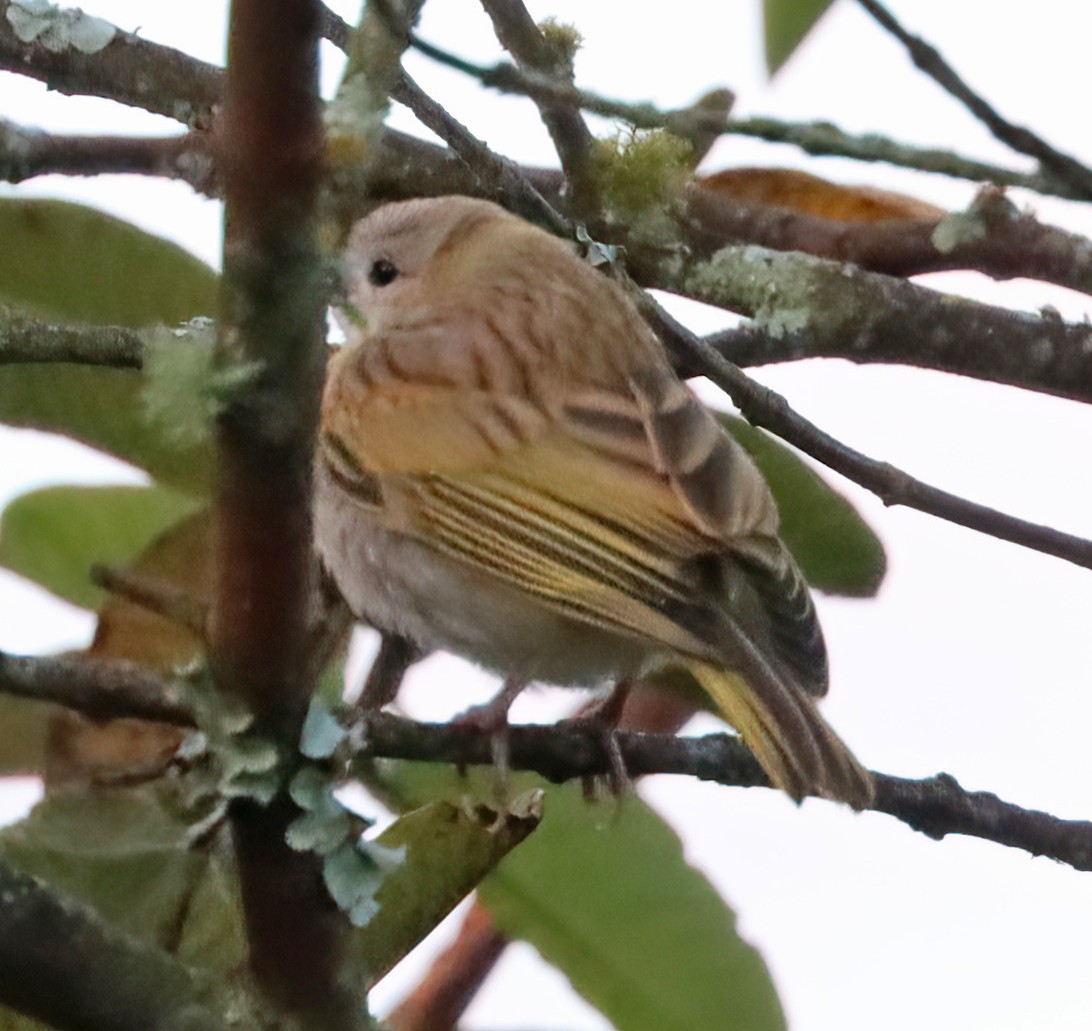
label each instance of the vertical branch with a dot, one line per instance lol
(271, 148)
(271, 355)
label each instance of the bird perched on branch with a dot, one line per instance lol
(509, 469)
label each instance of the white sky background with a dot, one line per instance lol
(975, 657)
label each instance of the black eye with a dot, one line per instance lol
(382, 272)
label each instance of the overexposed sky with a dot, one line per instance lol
(975, 657)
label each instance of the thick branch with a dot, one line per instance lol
(99, 688)
(991, 237)
(808, 306)
(936, 806)
(929, 60)
(127, 69)
(61, 964)
(271, 159)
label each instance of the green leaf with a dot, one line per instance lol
(123, 412)
(66, 261)
(53, 536)
(404, 883)
(151, 865)
(605, 893)
(123, 852)
(69, 262)
(837, 550)
(786, 23)
(23, 728)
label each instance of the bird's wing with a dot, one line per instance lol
(620, 502)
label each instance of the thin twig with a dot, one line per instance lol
(28, 340)
(507, 78)
(929, 60)
(334, 28)
(156, 596)
(497, 175)
(823, 139)
(454, 977)
(765, 407)
(936, 806)
(396, 655)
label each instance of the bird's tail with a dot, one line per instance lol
(782, 726)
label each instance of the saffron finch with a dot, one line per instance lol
(510, 469)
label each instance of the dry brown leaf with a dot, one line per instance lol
(81, 750)
(810, 195)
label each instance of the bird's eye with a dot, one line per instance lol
(382, 272)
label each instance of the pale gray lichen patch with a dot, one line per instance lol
(57, 29)
(959, 229)
(777, 294)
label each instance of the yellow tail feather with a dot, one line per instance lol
(799, 751)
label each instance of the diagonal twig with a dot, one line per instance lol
(495, 173)
(823, 139)
(766, 408)
(929, 60)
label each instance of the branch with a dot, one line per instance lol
(126, 68)
(936, 806)
(929, 60)
(99, 688)
(701, 118)
(991, 237)
(1011, 247)
(765, 407)
(24, 339)
(825, 140)
(62, 964)
(271, 158)
(1043, 356)
(26, 153)
(806, 306)
(454, 977)
(155, 595)
(494, 175)
(524, 40)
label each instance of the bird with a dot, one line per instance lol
(509, 469)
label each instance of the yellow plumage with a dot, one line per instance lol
(511, 470)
